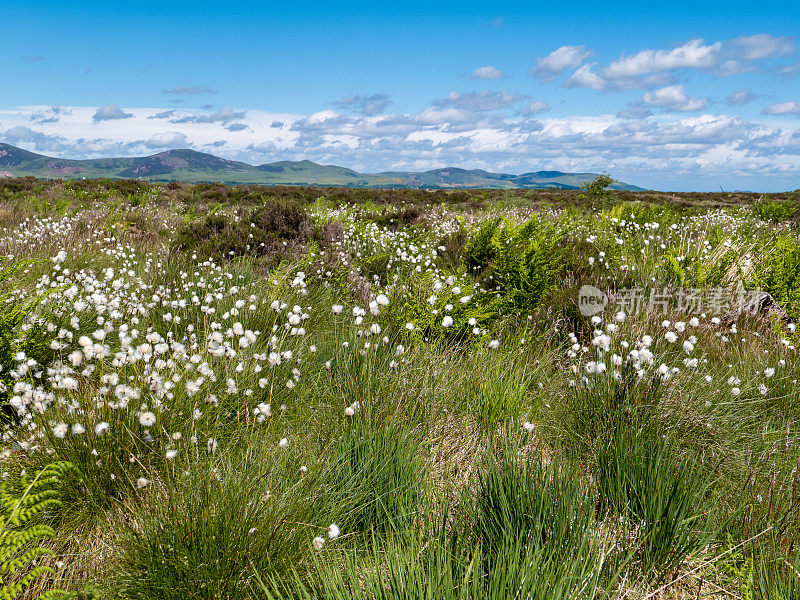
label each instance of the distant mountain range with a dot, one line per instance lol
(195, 167)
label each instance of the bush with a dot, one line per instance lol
(590, 413)
(515, 267)
(275, 232)
(775, 210)
(451, 248)
(596, 188)
(398, 219)
(481, 249)
(779, 274)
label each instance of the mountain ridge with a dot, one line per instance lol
(193, 166)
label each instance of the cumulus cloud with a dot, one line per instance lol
(674, 98)
(635, 110)
(585, 78)
(566, 57)
(224, 116)
(740, 98)
(782, 108)
(365, 105)
(164, 114)
(21, 134)
(488, 73)
(534, 108)
(169, 139)
(180, 90)
(236, 127)
(654, 67)
(110, 113)
(667, 149)
(693, 54)
(482, 101)
(49, 115)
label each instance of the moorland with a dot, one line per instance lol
(214, 391)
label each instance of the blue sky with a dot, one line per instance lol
(680, 95)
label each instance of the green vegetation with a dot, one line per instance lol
(306, 393)
(23, 500)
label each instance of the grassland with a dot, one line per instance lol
(253, 392)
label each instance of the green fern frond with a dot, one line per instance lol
(22, 500)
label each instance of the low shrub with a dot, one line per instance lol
(779, 273)
(274, 232)
(776, 211)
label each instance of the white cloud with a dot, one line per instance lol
(663, 150)
(488, 73)
(110, 113)
(586, 78)
(762, 45)
(790, 70)
(674, 97)
(180, 90)
(782, 108)
(694, 54)
(534, 108)
(566, 57)
(482, 101)
(20, 134)
(652, 68)
(170, 139)
(366, 105)
(740, 98)
(226, 115)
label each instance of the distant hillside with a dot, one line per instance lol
(192, 166)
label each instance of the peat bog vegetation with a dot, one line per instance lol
(250, 392)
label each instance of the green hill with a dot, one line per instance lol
(193, 166)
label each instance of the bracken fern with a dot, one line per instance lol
(22, 501)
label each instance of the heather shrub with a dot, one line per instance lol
(273, 232)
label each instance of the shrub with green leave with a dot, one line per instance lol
(779, 274)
